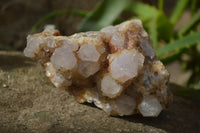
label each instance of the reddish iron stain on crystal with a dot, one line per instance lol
(115, 68)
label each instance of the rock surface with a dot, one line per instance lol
(30, 103)
(115, 68)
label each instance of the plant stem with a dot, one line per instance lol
(160, 5)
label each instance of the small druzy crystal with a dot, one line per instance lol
(115, 68)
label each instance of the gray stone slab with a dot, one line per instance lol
(30, 103)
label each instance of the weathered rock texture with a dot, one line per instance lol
(29, 103)
(116, 68)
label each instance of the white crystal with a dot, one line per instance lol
(86, 68)
(51, 43)
(125, 105)
(60, 81)
(118, 40)
(108, 31)
(88, 52)
(63, 58)
(150, 107)
(49, 27)
(127, 25)
(110, 87)
(50, 70)
(126, 66)
(33, 44)
(74, 46)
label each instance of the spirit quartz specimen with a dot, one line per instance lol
(115, 68)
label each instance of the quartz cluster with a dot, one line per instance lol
(115, 68)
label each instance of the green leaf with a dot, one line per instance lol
(104, 14)
(80, 13)
(153, 32)
(194, 4)
(194, 21)
(144, 11)
(164, 27)
(46, 17)
(160, 5)
(172, 57)
(175, 46)
(53, 14)
(159, 25)
(160, 29)
(178, 10)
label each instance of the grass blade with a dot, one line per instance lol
(143, 11)
(104, 14)
(46, 17)
(153, 32)
(164, 27)
(80, 13)
(178, 10)
(195, 20)
(194, 4)
(160, 5)
(172, 57)
(184, 42)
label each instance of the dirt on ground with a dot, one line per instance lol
(30, 103)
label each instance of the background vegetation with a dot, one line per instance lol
(170, 43)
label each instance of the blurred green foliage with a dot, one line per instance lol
(53, 14)
(160, 27)
(103, 15)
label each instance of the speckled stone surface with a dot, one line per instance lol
(30, 103)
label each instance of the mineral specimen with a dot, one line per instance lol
(115, 68)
